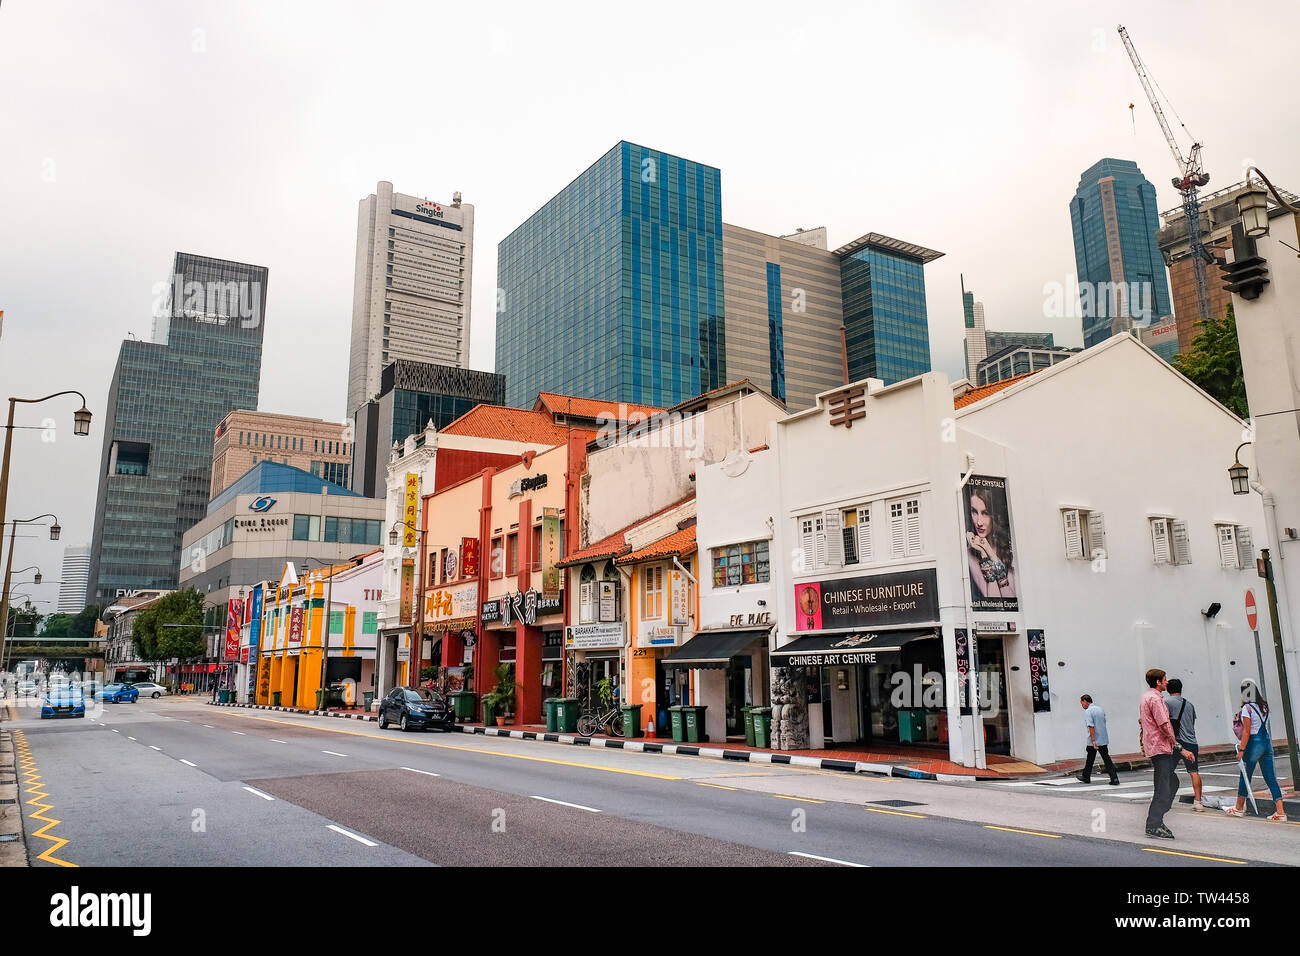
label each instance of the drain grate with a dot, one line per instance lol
(8, 837)
(8, 801)
(896, 803)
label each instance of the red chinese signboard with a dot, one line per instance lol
(295, 631)
(469, 557)
(234, 618)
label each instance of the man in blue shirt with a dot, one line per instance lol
(1094, 719)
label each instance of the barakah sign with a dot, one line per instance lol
(870, 601)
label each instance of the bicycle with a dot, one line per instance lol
(590, 723)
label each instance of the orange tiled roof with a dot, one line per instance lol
(590, 407)
(509, 424)
(679, 542)
(984, 391)
(606, 547)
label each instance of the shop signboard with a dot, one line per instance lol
(1038, 671)
(550, 552)
(255, 624)
(608, 600)
(868, 602)
(660, 635)
(234, 618)
(578, 637)
(469, 557)
(678, 592)
(965, 648)
(295, 632)
(408, 591)
(264, 682)
(990, 552)
(404, 647)
(524, 606)
(410, 510)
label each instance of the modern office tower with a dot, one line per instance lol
(243, 438)
(975, 344)
(1218, 214)
(73, 580)
(997, 341)
(1017, 360)
(613, 290)
(411, 394)
(1122, 282)
(784, 319)
(165, 401)
(411, 291)
(882, 286)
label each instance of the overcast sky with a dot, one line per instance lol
(249, 131)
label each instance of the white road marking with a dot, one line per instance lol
(240, 732)
(152, 747)
(576, 806)
(187, 763)
(116, 731)
(276, 741)
(1147, 794)
(352, 836)
(130, 738)
(333, 753)
(427, 773)
(209, 726)
(825, 859)
(259, 793)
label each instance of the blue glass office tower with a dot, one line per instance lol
(613, 289)
(1114, 217)
(166, 399)
(886, 330)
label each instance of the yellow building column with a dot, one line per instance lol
(313, 642)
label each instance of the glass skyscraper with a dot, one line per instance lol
(1121, 272)
(166, 400)
(886, 330)
(614, 289)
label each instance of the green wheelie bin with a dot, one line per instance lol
(762, 717)
(749, 725)
(695, 732)
(678, 721)
(567, 715)
(631, 720)
(552, 705)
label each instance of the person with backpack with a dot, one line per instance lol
(1255, 746)
(1182, 717)
(1156, 736)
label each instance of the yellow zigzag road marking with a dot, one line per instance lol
(34, 786)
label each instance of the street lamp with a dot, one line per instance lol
(9, 562)
(1238, 473)
(1252, 205)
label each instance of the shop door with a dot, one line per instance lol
(739, 671)
(994, 705)
(598, 669)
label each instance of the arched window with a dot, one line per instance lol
(587, 594)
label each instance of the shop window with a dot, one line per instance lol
(496, 559)
(535, 556)
(740, 564)
(1085, 533)
(512, 553)
(652, 593)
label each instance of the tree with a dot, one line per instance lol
(1214, 363)
(83, 624)
(155, 641)
(56, 625)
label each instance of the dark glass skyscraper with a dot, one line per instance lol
(613, 289)
(165, 402)
(1121, 271)
(886, 329)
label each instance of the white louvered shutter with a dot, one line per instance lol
(897, 531)
(587, 590)
(1245, 548)
(806, 544)
(819, 542)
(1227, 545)
(864, 534)
(1073, 535)
(913, 527)
(1096, 533)
(1182, 546)
(1160, 540)
(833, 522)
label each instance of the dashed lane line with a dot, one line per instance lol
(564, 803)
(427, 773)
(352, 836)
(826, 859)
(259, 793)
(187, 763)
(333, 753)
(152, 747)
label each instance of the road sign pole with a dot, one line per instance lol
(1252, 620)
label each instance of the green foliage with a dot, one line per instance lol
(83, 624)
(605, 689)
(502, 697)
(23, 621)
(1214, 363)
(56, 625)
(154, 641)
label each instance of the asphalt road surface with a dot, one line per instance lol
(178, 782)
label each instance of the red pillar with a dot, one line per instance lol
(482, 669)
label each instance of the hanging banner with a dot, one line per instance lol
(409, 512)
(408, 591)
(1038, 671)
(678, 593)
(469, 557)
(234, 621)
(990, 554)
(295, 632)
(965, 642)
(550, 552)
(255, 624)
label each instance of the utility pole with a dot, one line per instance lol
(1281, 669)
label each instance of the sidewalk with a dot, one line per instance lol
(13, 847)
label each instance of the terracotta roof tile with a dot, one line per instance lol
(616, 543)
(591, 407)
(509, 424)
(984, 391)
(679, 542)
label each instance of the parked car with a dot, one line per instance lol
(413, 708)
(27, 688)
(63, 702)
(118, 694)
(147, 688)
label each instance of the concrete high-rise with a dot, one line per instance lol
(1122, 283)
(165, 402)
(411, 291)
(73, 580)
(244, 438)
(613, 289)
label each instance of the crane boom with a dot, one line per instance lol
(1151, 98)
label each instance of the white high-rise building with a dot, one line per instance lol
(410, 298)
(75, 579)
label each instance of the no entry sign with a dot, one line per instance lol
(1252, 613)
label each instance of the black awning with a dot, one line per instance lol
(709, 650)
(819, 650)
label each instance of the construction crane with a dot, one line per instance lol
(1191, 176)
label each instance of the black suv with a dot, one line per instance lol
(414, 707)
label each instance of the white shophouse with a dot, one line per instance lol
(1057, 534)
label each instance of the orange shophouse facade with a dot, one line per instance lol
(451, 561)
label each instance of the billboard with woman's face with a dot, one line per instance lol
(990, 553)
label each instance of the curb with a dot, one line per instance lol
(680, 750)
(13, 846)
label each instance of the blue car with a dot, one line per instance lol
(63, 702)
(118, 694)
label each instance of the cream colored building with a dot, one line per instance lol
(245, 437)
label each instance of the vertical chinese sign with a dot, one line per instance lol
(550, 552)
(409, 512)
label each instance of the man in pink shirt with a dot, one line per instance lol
(1158, 743)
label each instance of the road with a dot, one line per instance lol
(178, 782)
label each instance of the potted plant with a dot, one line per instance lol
(502, 697)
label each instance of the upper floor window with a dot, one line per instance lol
(1169, 541)
(905, 527)
(652, 593)
(1085, 533)
(1236, 546)
(740, 564)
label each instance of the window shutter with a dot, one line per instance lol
(1182, 546)
(914, 527)
(831, 521)
(588, 602)
(1245, 548)
(1227, 545)
(1073, 536)
(1160, 540)
(1096, 533)
(819, 549)
(864, 535)
(806, 547)
(897, 532)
